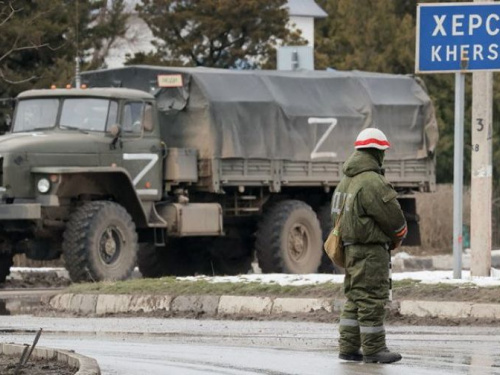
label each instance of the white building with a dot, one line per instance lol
(302, 15)
(138, 36)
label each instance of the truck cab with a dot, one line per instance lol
(74, 156)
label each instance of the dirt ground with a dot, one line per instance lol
(8, 365)
(37, 280)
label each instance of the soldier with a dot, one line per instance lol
(372, 223)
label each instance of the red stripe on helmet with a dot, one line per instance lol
(372, 140)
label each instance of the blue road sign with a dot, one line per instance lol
(457, 37)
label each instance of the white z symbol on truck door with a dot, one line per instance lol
(314, 121)
(153, 158)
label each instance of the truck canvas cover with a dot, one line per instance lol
(278, 115)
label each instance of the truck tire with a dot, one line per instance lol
(289, 239)
(5, 264)
(325, 221)
(100, 243)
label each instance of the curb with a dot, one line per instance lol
(450, 309)
(85, 365)
(103, 304)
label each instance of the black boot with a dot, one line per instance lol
(383, 356)
(356, 356)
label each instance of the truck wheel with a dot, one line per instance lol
(5, 264)
(289, 239)
(100, 243)
(325, 221)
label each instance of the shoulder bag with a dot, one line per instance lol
(333, 245)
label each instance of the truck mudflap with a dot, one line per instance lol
(20, 211)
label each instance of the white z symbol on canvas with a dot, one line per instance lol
(314, 121)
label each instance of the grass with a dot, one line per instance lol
(403, 289)
(411, 289)
(173, 287)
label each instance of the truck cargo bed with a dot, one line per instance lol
(414, 174)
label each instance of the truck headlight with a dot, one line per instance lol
(43, 185)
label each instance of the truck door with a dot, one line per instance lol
(139, 149)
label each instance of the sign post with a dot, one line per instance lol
(458, 175)
(464, 38)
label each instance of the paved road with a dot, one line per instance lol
(133, 346)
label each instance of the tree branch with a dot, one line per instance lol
(191, 53)
(2, 76)
(16, 49)
(10, 15)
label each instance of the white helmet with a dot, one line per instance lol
(372, 138)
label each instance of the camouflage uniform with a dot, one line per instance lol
(372, 222)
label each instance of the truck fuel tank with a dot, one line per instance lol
(192, 219)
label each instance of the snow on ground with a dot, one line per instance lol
(427, 277)
(36, 269)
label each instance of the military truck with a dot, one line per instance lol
(196, 170)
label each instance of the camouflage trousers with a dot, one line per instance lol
(366, 287)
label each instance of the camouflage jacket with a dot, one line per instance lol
(372, 213)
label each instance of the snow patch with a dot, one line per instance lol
(426, 277)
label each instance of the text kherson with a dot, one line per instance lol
(462, 26)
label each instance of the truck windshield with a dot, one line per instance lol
(87, 113)
(76, 113)
(35, 114)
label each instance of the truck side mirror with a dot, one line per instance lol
(5, 124)
(115, 130)
(8, 121)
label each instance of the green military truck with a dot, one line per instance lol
(195, 170)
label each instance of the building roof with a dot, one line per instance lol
(305, 8)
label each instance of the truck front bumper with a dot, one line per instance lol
(20, 211)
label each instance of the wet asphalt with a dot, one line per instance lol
(133, 346)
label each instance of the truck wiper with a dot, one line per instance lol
(74, 128)
(38, 129)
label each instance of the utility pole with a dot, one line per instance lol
(481, 172)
